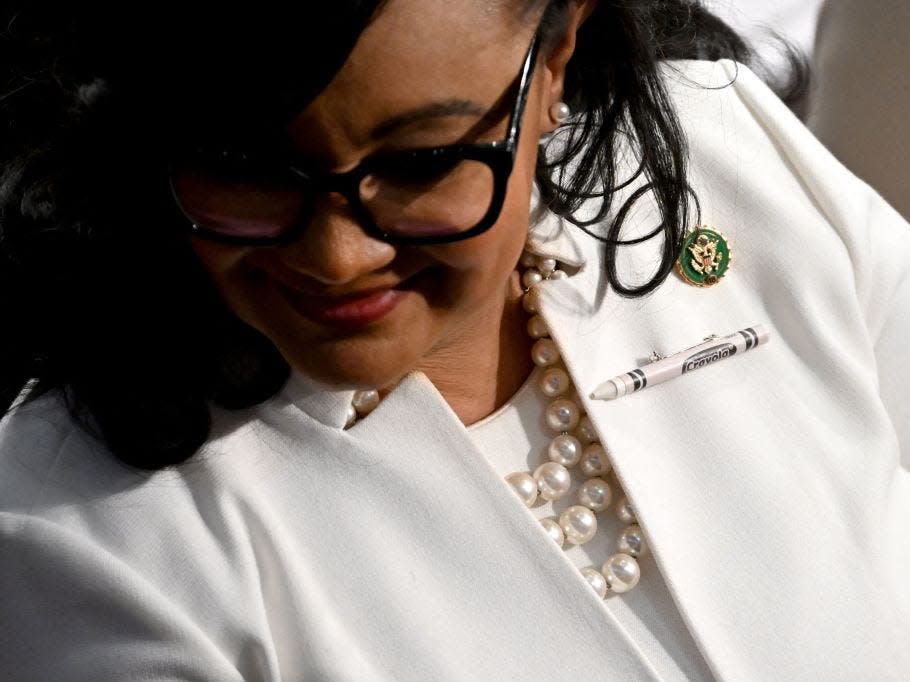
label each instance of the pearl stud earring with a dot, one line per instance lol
(560, 112)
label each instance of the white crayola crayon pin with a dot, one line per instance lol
(701, 355)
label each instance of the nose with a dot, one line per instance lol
(334, 249)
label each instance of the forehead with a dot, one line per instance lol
(414, 53)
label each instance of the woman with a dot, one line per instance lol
(184, 502)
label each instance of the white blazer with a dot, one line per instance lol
(771, 486)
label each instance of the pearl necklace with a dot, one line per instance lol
(575, 443)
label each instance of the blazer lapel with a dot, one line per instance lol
(516, 571)
(744, 514)
(668, 454)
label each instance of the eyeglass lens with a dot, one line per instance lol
(423, 198)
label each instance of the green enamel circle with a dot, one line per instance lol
(704, 257)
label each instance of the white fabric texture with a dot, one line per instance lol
(514, 438)
(771, 486)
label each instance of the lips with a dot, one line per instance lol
(350, 311)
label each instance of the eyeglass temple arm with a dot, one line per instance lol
(527, 73)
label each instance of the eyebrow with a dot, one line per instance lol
(449, 107)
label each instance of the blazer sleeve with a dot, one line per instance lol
(106, 573)
(73, 611)
(875, 235)
(888, 309)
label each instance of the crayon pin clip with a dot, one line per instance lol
(656, 357)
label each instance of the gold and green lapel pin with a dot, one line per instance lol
(705, 257)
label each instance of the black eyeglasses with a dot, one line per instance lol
(419, 196)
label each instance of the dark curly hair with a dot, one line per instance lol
(100, 294)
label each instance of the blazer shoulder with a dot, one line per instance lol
(33, 437)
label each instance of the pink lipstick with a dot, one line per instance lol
(353, 311)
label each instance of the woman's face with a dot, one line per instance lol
(348, 309)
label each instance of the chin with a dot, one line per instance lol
(350, 370)
(377, 355)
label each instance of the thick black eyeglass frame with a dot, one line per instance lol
(498, 155)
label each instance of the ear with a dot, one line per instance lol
(554, 68)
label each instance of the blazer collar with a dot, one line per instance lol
(551, 236)
(327, 406)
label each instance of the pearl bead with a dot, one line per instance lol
(528, 260)
(632, 542)
(596, 580)
(558, 274)
(365, 401)
(537, 328)
(553, 480)
(554, 382)
(624, 510)
(565, 450)
(622, 572)
(524, 486)
(531, 277)
(560, 112)
(546, 266)
(578, 523)
(594, 460)
(585, 431)
(350, 417)
(595, 494)
(562, 415)
(554, 531)
(531, 300)
(544, 353)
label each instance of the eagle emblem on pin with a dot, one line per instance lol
(705, 257)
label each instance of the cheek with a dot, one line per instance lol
(224, 265)
(219, 260)
(483, 269)
(494, 255)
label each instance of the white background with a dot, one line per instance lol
(794, 19)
